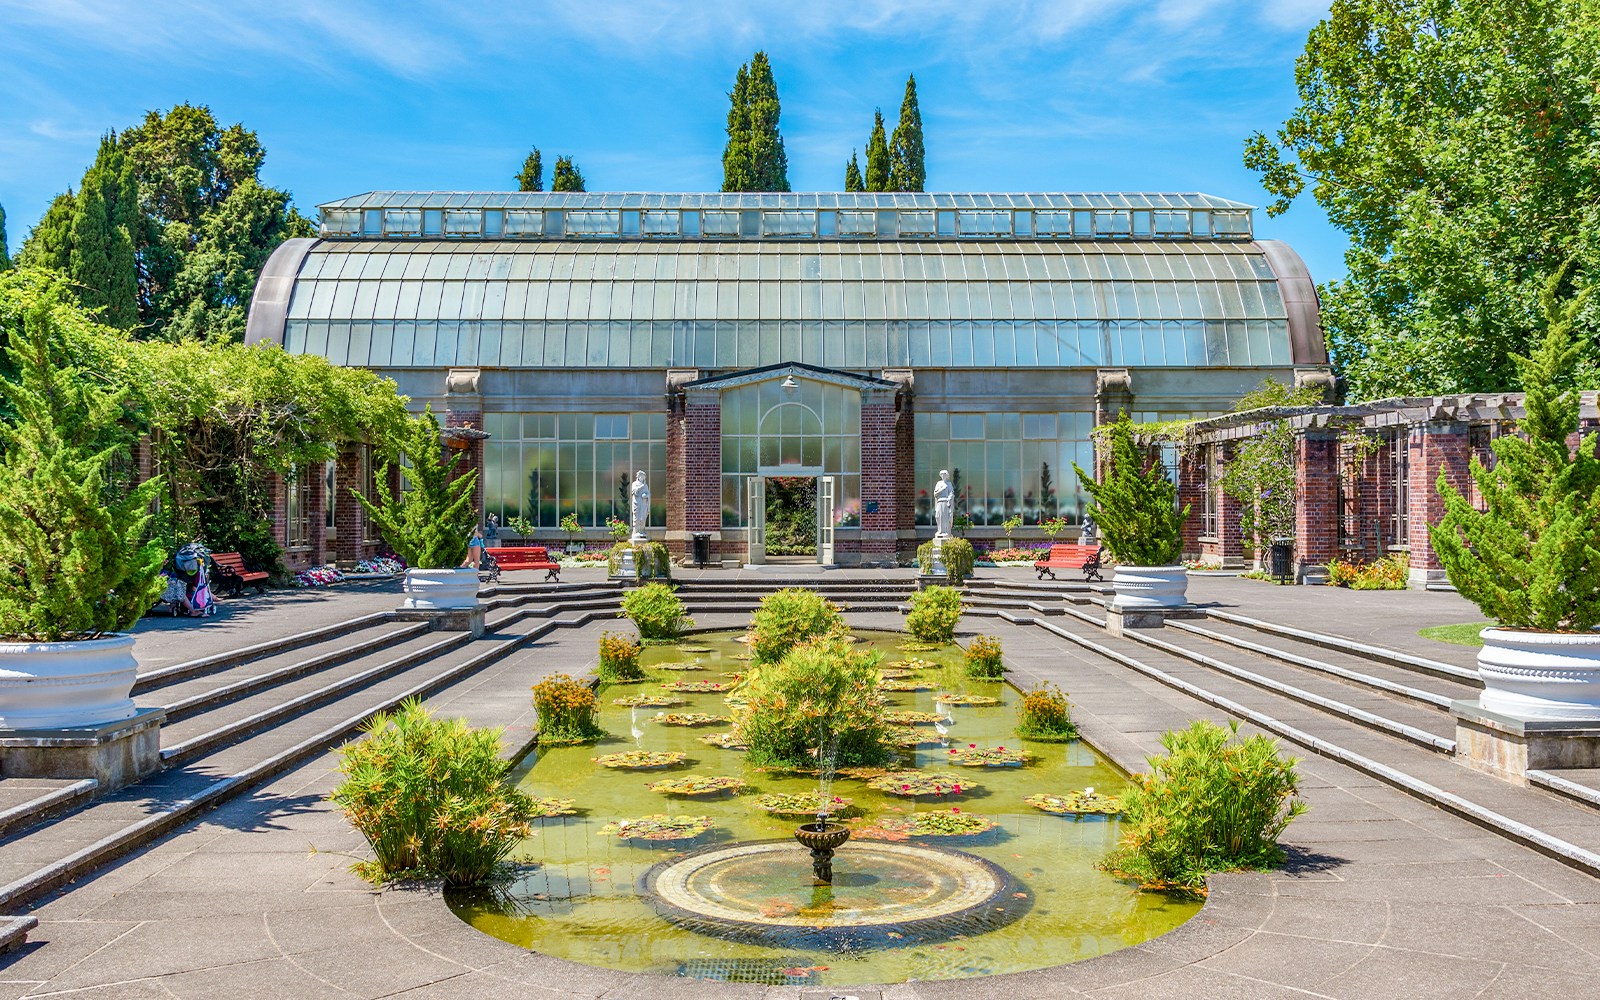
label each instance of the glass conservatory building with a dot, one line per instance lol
(864, 341)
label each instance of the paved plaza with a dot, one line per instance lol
(1385, 895)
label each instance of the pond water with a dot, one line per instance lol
(583, 895)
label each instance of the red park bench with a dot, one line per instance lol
(232, 574)
(526, 557)
(1084, 557)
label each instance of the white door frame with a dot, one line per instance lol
(756, 519)
(825, 505)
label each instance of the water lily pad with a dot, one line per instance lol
(915, 784)
(913, 718)
(697, 785)
(698, 687)
(546, 808)
(642, 760)
(1087, 801)
(973, 755)
(807, 804)
(682, 666)
(658, 827)
(912, 685)
(649, 701)
(975, 700)
(689, 719)
(933, 823)
(722, 741)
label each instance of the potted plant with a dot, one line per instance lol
(1136, 508)
(574, 531)
(428, 524)
(75, 570)
(1528, 559)
(1011, 524)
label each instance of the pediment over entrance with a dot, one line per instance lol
(830, 376)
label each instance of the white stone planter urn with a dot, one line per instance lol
(1149, 588)
(441, 589)
(63, 685)
(1540, 675)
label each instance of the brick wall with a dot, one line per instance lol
(1435, 448)
(702, 472)
(880, 479)
(1191, 485)
(1316, 515)
(905, 456)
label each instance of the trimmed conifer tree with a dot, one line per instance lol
(877, 178)
(122, 292)
(74, 562)
(5, 250)
(429, 523)
(1135, 503)
(907, 163)
(566, 176)
(736, 174)
(754, 158)
(49, 244)
(852, 174)
(88, 263)
(1531, 557)
(531, 176)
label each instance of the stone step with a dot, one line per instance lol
(26, 801)
(1410, 661)
(1557, 827)
(149, 680)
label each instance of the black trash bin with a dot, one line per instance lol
(1283, 558)
(702, 548)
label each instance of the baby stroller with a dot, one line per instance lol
(189, 583)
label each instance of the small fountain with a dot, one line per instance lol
(822, 838)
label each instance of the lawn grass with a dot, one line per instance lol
(1464, 634)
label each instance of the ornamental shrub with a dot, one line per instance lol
(823, 693)
(1389, 573)
(427, 524)
(567, 710)
(73, 563)
(619, 658)
(1044, 716)
(1213, 803)
(789, 617)
(1135, 504)
(431, 798)
(934, 613)
(983, 658)
(959, 558)
(1531, 558)
(651, 559)
(656, 611)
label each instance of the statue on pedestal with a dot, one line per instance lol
(639, 507)
(944, 504)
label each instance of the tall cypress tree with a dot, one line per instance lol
(736, 172)
(852, 174)
(88, 263)
(5, 252)
(531, 176)
(566, 176)
(50, 243)
(907, 167)
(769, 164)
(122, 292)
(877, 155)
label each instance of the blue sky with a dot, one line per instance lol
(351, 95)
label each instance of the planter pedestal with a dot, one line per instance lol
(447, 599)
(113, 753)
(446, 619)
(1507, 746)
(1119, 620)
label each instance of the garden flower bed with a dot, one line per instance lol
(641, 760)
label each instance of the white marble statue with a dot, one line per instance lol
(639, 506)
(944, 504)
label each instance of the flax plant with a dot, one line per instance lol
(1213, 803)
(430, 797)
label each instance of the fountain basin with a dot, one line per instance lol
(822, 836)
(889, 895)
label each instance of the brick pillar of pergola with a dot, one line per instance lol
(315, 486)
(349, 520)
(880, 478)
(699, 457)
(1316, 512)
(1437, 447)
(463, 407)
(905, 453)
(1228, 546)
(1191, 493)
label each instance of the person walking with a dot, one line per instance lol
(474, 549)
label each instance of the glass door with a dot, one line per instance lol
(756, 518)
(825, 504)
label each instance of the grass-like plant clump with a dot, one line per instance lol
(983, 658)
(933, 614)
(1388, 573)
(430, 797)
(656, 611)
(958, 557)
(788, 617)
(567, 710)
(823, 694)
(619, 659)
(1213, 803)
(1044, 716)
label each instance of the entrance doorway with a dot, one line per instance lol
(789, 518)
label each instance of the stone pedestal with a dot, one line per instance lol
(938, 569)
(1119, 620)
(1508, 747)
(627, 569)
(114, 753)
(447, 620)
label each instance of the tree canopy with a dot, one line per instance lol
(754, 158)
(566, 176)
(852, 174)
(908, 169)
(877, 176)
(1454, 144)
(531, 176)
(169, 227)
(5, 251)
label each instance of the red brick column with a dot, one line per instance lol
(1191, 485)
(471, 455)
(1229, 546)
(905, 456)
(880, 479)
(1316, 512)
(702, 470)
(349, 519)
(1436, 448)
(314, 483)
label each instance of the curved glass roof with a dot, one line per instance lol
(799, 199)
(840, 305)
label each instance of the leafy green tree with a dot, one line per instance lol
(428, 523)
(877, 155)
(88, 263)
(754, 158)
(1453, 143)
(566, 176)
(1531, 557)
(531, 176)
(907, 161)
(74, 560)
(1135, 503)
(852, 175)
